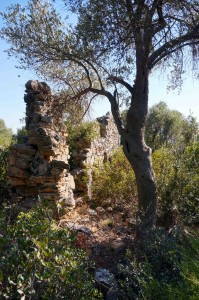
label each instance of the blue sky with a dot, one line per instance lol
(12, 81)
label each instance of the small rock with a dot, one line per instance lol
(79, 228)
(83, 229)
(109, 209)
(92, 212)
(107, 222)
(131, 222)
(105, 277)
(100, 210)
(119, 247)
(109, 201)
(79, 201)
(71, 224)
(85, 220)
(69, 201)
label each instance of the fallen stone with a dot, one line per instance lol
(104, 276)
(83, 229)
(119, 247)
(79, 201)
(92, 212)
(100, 210)
(109, 209)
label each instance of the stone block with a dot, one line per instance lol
(58, 164)
(37, 179)
(14, 181)
(23, 148)
(13, 171)
(22, 163)
(12, 159)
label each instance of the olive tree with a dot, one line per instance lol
(166, 128)
(110, 50)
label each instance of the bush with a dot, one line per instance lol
(189, 200)
(5, 135)
(83, 132)
(114, 180)
(5, 190)
(38, 260)
(166, 127)
(156, 277)
(81, 136)
(20, 136)
(163, 254)
(178, 185)
(187, 285)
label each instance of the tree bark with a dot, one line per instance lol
(139, 156)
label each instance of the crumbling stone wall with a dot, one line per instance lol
(97, 151)
(40, 166)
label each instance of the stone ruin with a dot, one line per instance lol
(97, 151)
(40, 167)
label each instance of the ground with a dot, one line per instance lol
(104, 234)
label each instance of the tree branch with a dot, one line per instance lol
(123, 82)
(83, 66)
(88, 106)
(169, 47)
(114, 109)
(172, 51)
(113, 102)
(95, 70)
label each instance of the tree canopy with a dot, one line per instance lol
(107, 44)
(166, 127)
(5, 134)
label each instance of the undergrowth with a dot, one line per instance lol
(39, 260)
(170, 270)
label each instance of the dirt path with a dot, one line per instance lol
(105, 235)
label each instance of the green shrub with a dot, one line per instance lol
(170, 270)
(38, 260)
(189, 173)
(82, 132)
(19, 137)
(81, 136)
(114, 180)
(168, 128)
(187, 285)
(177, 175)
(163, 254)
(5, 191)
(5, 135)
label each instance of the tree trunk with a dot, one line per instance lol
(139, 156)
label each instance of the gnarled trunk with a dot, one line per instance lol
(139, 156)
